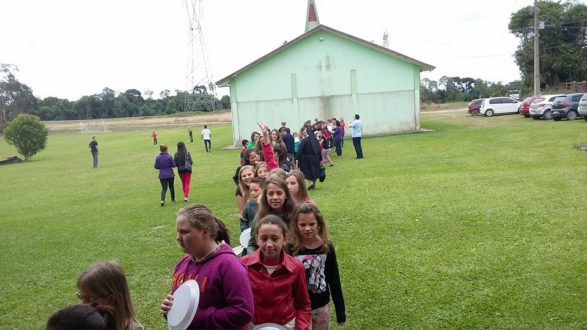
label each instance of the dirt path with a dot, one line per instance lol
(114, 123)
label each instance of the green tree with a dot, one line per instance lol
(225, 101)
(15, 97)
(28, 134)
(562, 42)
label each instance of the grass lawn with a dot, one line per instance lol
(479, 224)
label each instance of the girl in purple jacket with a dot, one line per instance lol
(226, 299)
(165, 164)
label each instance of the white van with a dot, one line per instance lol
(498, 105)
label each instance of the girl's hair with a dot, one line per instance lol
(241, 183)
(181, 153)
(301, 179)
(163, 147)
(107, 279)
(82, 317)
(246, 156)
(258, 166)
(281, 152)
(200, 216)
(258, 181)
(288, 205)
(271, 219)
(278, 172)
(253, 135)
(278, 136)
(295, 239)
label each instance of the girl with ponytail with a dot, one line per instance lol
(226, 300)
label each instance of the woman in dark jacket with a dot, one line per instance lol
(165, 164)
(309, 157)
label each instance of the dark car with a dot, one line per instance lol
(474, 107)
(566, 107)
(525, 107)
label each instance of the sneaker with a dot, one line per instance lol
(162, 203)
(185, 199)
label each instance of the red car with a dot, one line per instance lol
(474, 107)
(525, 107)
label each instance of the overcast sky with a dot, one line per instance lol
(71, 48)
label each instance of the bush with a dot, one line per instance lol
(28, 134)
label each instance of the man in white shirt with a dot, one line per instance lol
(207, 137)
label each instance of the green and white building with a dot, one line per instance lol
(326, 73)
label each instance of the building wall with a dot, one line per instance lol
(325, 76)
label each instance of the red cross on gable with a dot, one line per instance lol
(312, 14)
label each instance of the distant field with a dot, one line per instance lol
(481, 223)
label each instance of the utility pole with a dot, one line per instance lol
(536, 51)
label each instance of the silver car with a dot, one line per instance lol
(542, 106)
(583, 107)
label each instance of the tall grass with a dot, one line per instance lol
(478, 224)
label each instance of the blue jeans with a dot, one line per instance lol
(94, 159)
(358, 148)
(338, 146)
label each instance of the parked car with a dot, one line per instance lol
(542, 106)
(474, 107)
(566, 106)
(582, 110)
(498, 105)
(525, 107)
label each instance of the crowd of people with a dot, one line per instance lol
(287, 274)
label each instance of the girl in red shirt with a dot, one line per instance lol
(278, 281)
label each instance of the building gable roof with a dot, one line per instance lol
(225, 82)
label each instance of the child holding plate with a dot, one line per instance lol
(310, 245)
(278, 280)
(225, 297)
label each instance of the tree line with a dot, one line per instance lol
(456, 89)
(16, 98)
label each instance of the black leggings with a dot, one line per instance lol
(164, 184)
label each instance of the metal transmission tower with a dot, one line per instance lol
(201, 89)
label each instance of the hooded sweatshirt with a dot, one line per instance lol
(226, 299)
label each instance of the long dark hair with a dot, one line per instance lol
(288, 205)
(181, 154)
(83, 316)
(295, 236)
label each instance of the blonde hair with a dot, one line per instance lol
(295, 236)
(107, 278)
(162, 147)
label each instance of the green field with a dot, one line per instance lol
(481, 223)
